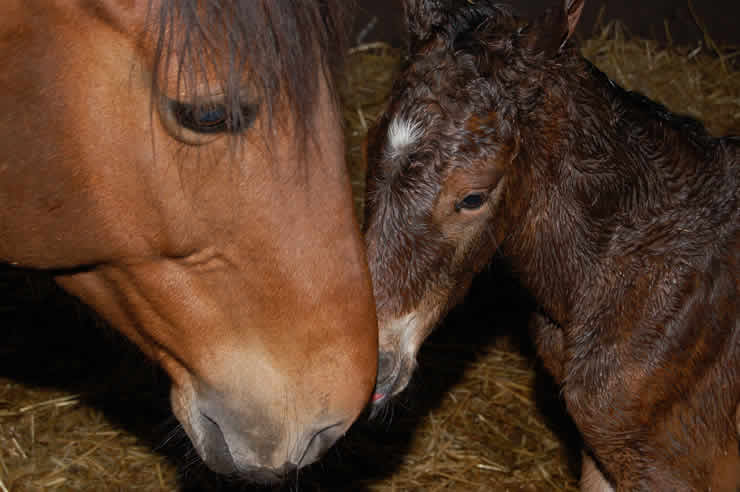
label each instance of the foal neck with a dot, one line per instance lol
(616, 184)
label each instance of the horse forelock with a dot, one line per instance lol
(268, 52)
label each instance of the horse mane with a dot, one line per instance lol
(216, 43)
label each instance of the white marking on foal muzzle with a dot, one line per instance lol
(402, 337)
(406, 329)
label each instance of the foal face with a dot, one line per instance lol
(446, 182)
(439, 168)
(238, 266)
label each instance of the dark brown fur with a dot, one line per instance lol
(619, 217)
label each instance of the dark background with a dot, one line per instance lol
(644, 18)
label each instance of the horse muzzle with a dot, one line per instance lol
(252, 443)
(251, 461)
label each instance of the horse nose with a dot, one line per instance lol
(221, 458)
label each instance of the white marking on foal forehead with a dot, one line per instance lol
(402, 133)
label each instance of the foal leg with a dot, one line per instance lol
(592, 480)
(548, 338)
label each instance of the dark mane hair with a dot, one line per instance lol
(279, 46)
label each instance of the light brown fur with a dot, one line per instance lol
(240, 268)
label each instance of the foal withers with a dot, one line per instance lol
(619, 217)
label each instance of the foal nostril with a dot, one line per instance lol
(387, 375)
(386, 368)
(320, 442)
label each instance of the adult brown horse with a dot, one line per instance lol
(620, 218)
(178, 165)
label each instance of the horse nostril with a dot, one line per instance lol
(217, 454)
(320, 442)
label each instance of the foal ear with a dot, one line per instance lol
(573, 9)
(553, 29)
(421, 17)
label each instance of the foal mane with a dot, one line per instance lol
(281, 46)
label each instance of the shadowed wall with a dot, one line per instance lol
(644, 18)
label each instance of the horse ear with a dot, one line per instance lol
(553, 29)
(421, 17)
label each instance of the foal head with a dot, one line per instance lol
(179, 166)
(444, 162)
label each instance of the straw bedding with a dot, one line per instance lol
(81, 410)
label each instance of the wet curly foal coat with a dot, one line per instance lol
(618, 216)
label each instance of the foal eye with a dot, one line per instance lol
(472, 201)
(212, 118)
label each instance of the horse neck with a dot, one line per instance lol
(603, 174)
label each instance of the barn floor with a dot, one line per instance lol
(80, 409)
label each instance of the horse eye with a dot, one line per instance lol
(212, 118)
(472, 201)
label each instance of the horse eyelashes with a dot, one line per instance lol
(199, 118)
(213, 118)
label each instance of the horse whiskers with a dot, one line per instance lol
(177, 433)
